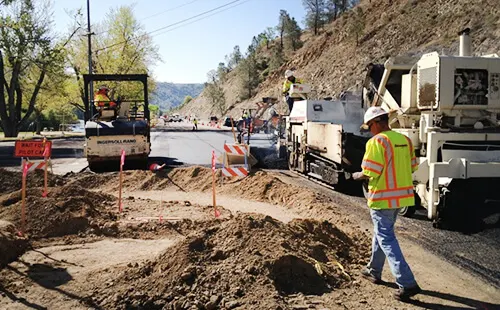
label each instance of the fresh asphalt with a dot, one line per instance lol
(473, 246)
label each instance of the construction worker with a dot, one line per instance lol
(246, 118)
(388, 164)
(195, 123)
(287, 84)
(101, 98)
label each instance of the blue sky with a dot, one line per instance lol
(191, 50)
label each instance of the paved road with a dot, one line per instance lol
(477, 251)
(175, 146)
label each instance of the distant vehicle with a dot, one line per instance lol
(77, 128)
(213, 118)
(175, 118)
(227, 121)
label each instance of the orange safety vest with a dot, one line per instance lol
(389, 161)
(288, 84)
(101, 100)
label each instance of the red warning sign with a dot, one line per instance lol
(33, 148)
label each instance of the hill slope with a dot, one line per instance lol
(331, 62)
(170, 95)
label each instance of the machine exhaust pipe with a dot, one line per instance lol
(465, 43)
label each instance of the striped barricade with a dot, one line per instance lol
(236, 149)
(235, 160)
(235, 171)
(32, 166)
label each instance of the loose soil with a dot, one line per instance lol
(66, 210)
(249, 261)
(11, 181)
(167, 250)
(11, 244)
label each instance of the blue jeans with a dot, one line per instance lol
(384, 245)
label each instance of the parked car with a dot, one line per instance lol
(175, 118)
(227, 121)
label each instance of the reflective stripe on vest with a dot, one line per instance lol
(414, 162)
(389, 196)
(372, 166)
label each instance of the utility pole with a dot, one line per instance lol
(89, 34)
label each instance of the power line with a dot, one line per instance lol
(159, 13)
(169, 10)
(204, 17)
(168, 26)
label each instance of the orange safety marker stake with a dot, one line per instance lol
(122, 162)
(217, 213)
(23, 198)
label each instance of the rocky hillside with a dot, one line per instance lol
(332, 61)
(171, 95)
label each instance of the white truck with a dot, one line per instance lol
(448, 106)
(323, 139)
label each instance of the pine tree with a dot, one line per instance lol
(215, 93)
(277, 58)
(249, 76)
(234, 58)
(357, 26)
(315, 14)
(292, 35)
(284, 19)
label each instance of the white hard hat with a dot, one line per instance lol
(372, 113)
(288, 73)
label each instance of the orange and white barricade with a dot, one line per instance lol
(35, 165)
(235, 171)
(235, 160)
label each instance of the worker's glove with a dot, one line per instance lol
(358, 176)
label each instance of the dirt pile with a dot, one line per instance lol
(66, 210)
(11, 181)
(191, 178)
(251, 261)
(11, 245)
(185, 179)
(260, 186)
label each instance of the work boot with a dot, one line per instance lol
(365, 273)
(403, 294)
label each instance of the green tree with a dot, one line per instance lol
(215, 93)
(234, 58)
(289, 32)
(121, 46)
(248, 74)
(315, 14)
(283, 20)
(357, 26)
(277, 58)
(270, 34)
(293, 33)
(154, 109)
(222, 72)
(28, 53)
(187, 100)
